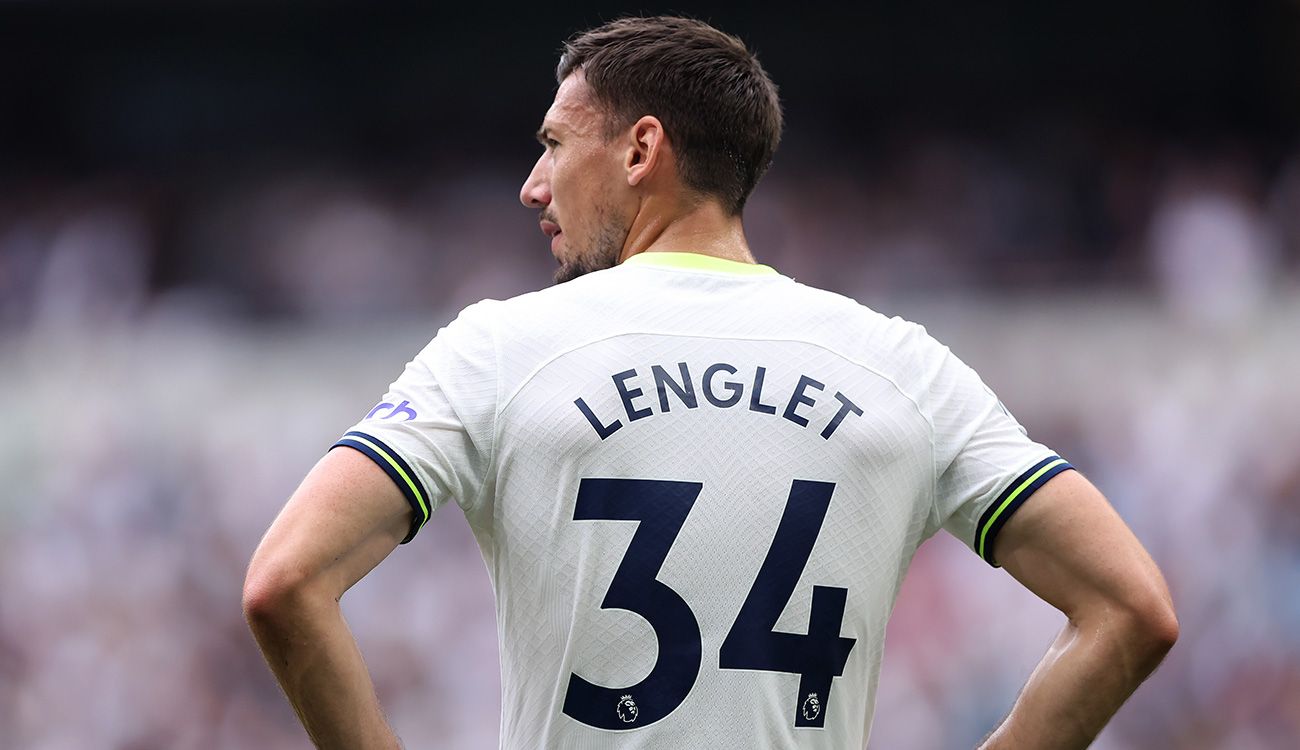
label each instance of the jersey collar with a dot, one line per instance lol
(699, 262)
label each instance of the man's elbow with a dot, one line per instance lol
(272, 591)
(1151, 628)
(1160, 626)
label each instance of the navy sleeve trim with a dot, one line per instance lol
(397, 469)
(1016, 493)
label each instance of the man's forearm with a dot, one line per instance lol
(1086, 675)
(308, 646)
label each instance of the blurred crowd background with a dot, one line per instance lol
(225, 227)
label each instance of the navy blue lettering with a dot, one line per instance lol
(661, 508)
(685, 390)
(737, 390)
(755, 403)
(603, 431)
(627, 394)
(846, 406)
(755, 643)
(798, 398)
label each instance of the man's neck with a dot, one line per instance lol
(703, 228)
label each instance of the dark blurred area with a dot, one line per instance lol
(1013, 144)
(161, 89)
(224, 226)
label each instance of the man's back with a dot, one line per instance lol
(697, 485)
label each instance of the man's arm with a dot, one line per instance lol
(344, 519)
(1068, 546)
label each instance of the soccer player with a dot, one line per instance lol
(696, 483)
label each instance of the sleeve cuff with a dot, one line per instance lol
(1016, 493)
(397, 469)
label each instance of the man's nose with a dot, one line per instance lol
(536, 192)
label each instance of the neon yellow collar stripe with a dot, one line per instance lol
(424, 506)
(699, 262)
(1011, 498)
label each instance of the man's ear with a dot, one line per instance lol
(647, 149)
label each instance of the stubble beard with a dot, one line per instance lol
(602, 254)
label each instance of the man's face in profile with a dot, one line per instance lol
(578, 183)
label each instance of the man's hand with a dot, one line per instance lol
(1068, 546)
(344, 519)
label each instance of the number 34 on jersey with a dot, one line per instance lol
(661, 507)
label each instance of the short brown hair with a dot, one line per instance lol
(716, 103)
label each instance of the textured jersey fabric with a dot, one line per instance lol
(697, 485)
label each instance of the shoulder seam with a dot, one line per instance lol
(934, 457)
(496, 407)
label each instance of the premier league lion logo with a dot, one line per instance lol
(627, 710)
(811, 707)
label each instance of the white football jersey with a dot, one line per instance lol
(697, 485)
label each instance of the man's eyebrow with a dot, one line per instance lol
(543, 135)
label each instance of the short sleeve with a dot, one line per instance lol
(986, 466)
(432, 432)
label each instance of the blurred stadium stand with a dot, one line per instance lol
(225, 227)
